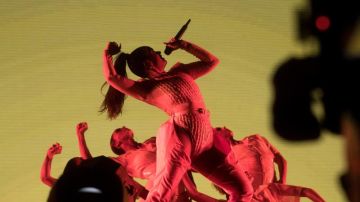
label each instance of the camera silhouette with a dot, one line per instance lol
(330, 77)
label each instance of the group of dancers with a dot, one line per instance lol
(187, 142)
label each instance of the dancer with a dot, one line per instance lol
(187, 134)
(133, 188)
(257, 156)
(139, 160)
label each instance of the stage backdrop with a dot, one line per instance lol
(51, 74)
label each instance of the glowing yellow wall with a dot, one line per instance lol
(50, 63)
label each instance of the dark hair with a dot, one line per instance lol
(114, 148)
(114, 99)
(137, 60)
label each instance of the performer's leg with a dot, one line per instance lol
(222, 171)
(174, 160)
(148, 186)
(167, 182)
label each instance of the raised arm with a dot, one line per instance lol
(46, 166)
(80, 132)
(120, 83)
(196, 69)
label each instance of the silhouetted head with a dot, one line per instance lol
(122, 140)
(89, 180)
(143, 62)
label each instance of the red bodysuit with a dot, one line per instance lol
(185, 141)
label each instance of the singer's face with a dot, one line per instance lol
(158, 61)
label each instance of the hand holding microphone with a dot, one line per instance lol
(173, 43)
(113, 48)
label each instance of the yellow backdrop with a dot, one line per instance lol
(50, 63)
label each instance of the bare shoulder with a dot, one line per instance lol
(256, 136)
(150, 144)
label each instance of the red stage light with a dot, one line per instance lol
(322, 23)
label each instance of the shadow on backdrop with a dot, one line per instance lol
(330, 76)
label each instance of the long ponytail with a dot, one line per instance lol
(114, 100)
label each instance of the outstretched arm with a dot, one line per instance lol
(80, 132)
(120, 83)
(46, 166)
(207, 61)
(311, 194)
(291, 190)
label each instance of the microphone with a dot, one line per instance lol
(168, 50)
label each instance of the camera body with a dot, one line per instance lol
(326, 19)
(329, 72)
